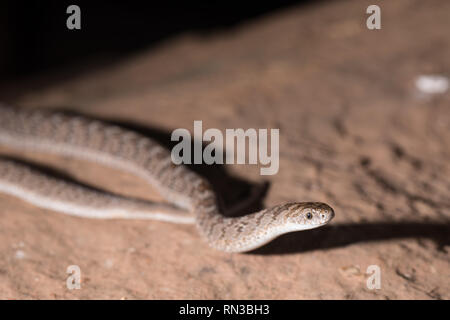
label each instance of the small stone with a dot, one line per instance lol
(432, 84)
(19, 254)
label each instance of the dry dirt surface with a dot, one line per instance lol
(355, 133)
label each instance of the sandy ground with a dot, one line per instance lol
(354, 132)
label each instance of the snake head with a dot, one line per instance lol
(309, 215)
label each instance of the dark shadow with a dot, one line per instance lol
(35, 39)
(340, 235)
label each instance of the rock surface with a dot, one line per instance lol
(355, 133)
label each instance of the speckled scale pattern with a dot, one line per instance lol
(96, 141)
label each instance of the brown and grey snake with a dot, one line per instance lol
(193, 199)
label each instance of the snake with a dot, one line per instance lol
(189, 197)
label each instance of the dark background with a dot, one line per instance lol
(34, 37)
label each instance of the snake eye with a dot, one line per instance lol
(309, 215)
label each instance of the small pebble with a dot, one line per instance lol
(432, 84)
(19, 254)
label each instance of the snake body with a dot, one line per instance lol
(193, 198)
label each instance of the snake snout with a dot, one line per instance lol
(326, 213)
(323, 212)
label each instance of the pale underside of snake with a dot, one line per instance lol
(193, 198)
